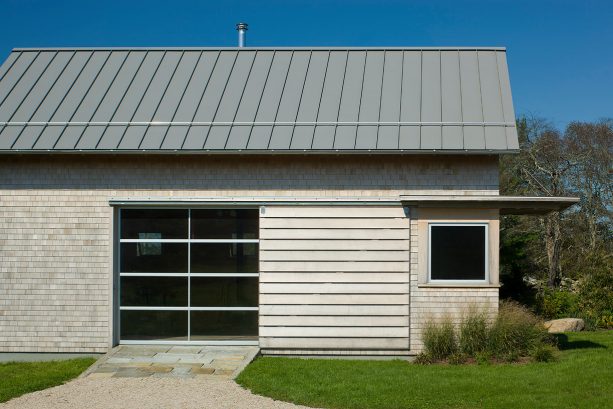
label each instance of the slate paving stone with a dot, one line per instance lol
(203, 371)
(159, 368)
(131, 373)
(224, 372)
(181, 349)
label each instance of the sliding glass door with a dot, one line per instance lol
(188, 275)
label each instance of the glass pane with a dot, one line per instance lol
(153, 258)
(210, 325)
(224, 257)
(457, 253)
(224, 291)
(154, 223)
(154, 291)
(154, 325)
(225, 224)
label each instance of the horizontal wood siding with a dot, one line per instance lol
(334, 279)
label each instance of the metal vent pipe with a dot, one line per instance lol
(242, 34)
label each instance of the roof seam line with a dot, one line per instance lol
(340, 99)
(321, 94)
(257, 109)
(289, 67)
(240, 99)
(306, 74)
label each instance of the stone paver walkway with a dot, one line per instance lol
(164, 361)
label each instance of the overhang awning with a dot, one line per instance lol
(507, 204)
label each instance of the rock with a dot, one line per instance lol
(565, 325)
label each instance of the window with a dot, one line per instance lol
(458, 252)
(188, 275)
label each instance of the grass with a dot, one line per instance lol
(17, 378)
(580, 378)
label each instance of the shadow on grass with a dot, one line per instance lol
(564, 344)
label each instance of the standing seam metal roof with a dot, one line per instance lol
(448, 100)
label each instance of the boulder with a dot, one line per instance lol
(565, 325)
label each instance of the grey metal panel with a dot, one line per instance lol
(410, 104)
(157, 88)
(138, 87)
(216, 86)
(430, 89)
(302, 137)
(25, 84)
(366, 137)
(470, 87)
(195, 137)
(281, 137)
(111, 137)
(62, 87)
(239, 136)
(196, 86)
(79, 88)
(274, 88)
(217, 137)
(370, 102)
(8, 135)
(48, 137)
(132, 137)
(345, 137)
(177, 86)
(175, 136)
(313, 86)
(451, 98)
(512, 138)
(323, 138)
(119, 87)
(474, 137)
(91, 136)
(12, 77)
(505, 87)
(99, 87)
(153, 137)
(390, 95)
(233, 92)
(255, 87)
(352, 87)
(410, 137)
(495, 137)
(490, 87)
(431, 137)
(453, 137)
(260, 137)
(8, 63)
(388, 137)
(38, 93)
(331, 95)
(292, 92)
(69, 137)
(28, 136)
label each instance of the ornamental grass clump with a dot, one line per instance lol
(440, 340)
(515, 332)
(474, 332)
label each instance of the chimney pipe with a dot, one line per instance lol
(242, 34)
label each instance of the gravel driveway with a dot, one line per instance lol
(146, 393)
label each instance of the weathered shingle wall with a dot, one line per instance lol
(55, 222)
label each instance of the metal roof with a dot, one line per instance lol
(349, 100)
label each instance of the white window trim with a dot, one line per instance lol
(486, 279)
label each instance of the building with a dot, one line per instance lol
(310, 201)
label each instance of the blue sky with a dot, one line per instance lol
(560, 52)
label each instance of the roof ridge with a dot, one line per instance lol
(301, 48)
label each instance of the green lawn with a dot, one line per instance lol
(17, 378)
(581, 378)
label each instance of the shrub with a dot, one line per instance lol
(483, 357)
(516, 331)
(474, 332)
(543, 353)
(439, 339)
(458, 358)
(595, 296)
(554, 304)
